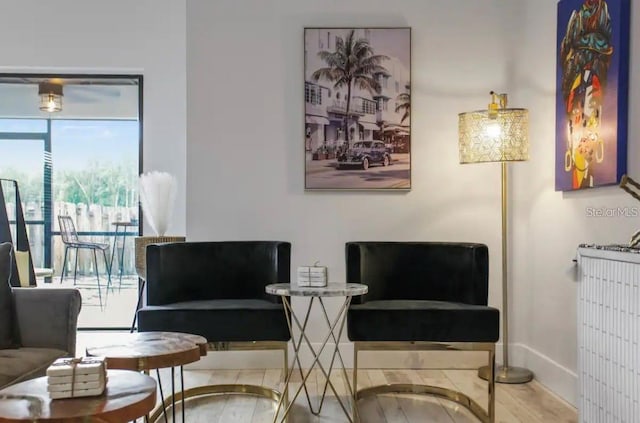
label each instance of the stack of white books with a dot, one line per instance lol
(77, 377)
(315, 276)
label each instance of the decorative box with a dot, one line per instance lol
(76, 393)
(78, 386)
(315, 276)
(57, 380)
(77, 377)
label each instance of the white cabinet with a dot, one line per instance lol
(608, 335)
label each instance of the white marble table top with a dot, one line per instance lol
(331, 290)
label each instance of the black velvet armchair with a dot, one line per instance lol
(217, 290)
(422, 296)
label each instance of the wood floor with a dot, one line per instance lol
(514, 403)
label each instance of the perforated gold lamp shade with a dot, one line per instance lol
(494, 136)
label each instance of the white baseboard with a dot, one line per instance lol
(558, 379)
(555, 377)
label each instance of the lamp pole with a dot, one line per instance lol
(505, 287)
(505, 373)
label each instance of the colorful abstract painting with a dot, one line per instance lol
(592, 80)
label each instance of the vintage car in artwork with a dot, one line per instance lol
(364, 154)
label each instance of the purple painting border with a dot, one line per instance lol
(615, 101)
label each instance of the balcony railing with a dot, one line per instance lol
(356, 107)
(93, 223)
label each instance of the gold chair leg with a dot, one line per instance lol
(483, 415)
(491, 386)
(227, 389)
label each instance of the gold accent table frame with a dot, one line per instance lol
(335, 329)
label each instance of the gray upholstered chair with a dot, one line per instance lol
(37, 326)
(422, 296)
(217, 290)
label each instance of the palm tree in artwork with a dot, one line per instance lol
(352, 64)
(404, 104)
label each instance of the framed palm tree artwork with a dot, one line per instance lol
(357, 96)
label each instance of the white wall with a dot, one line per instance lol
(245, 127)
(144, 37)
(245, 151)
(548, 225)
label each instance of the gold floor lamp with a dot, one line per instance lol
(498, 134)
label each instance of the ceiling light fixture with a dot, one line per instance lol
(50, 97)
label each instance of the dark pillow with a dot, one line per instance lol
(6, 298)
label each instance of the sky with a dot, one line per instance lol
(75, 143)
(393, 42)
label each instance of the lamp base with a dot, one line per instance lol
(507, 374)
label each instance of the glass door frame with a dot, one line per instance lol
(47, 200)
(48, 184)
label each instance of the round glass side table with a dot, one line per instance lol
(334, 332)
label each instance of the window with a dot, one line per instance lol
(83, 164)
(383, 103)
(397, 87)
(312, 93)
(383, 80)
(23, 125)
(96, 163)
(368, 106)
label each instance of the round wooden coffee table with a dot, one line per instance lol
(144, 351)
(128, 395)
(151, 350)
